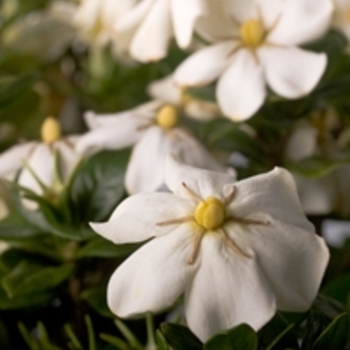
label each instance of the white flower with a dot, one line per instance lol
(341, 18)
(44, 166)
(237, 250)
(96, 20)
(254, 44)
(327, 192)
(152, 23)
(152, 130)
(166, 90)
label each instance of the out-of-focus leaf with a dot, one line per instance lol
(335, 336)
(314, 167)
(161, 342)
(180, 337)
(99, 186)
(339, 289)
(242, 337)
(96, 298)
(28, 277)
(101, 248)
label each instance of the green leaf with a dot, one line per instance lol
(15, 227)
(338, 288)
(119, 343)
(335, 336)
(242, 337)
(180, 337)
(28, 277)
(101, 248)
(99, 186)
(96, 298)
(314, 167)
(161, 342)
(25, 300)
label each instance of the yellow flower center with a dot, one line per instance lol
(167, 117)
(252, 33)
(210, 213)
(50, 130)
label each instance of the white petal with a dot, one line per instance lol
(202, 182)
(165, 90)
(41, 161)
(273, 193)
(204, 66)
(292, 72)
(151, 40)
(121, 132)
(134, 17)
(226, 291)
(293, 260)
(94, 121)
(184, 15)
(136, 218)
(336, 232)
(12, 159)
(318, 196)
(153, 277)
(145, 170)
(241, 88)
(68, 157)
(312, 17)
(302, 143)
(202, 110)
(193, 153)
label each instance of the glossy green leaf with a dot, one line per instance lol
(242, 337)
(28, 277)
(336, 335)
(99, 186)
(338, 288)
(99, 247)
(180, 337)
(161, 342)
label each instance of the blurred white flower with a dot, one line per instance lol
(238, 250)
(153, 130)
(341, 17)
(44, 33)
(254, 44)
(327, 192)
(152, 23)
(96, 19)
(44, 166)
(166, 90)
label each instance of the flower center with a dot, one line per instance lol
(252, 33)
(210, 213)
(50, 130)
(167, 117)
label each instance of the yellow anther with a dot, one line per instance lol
(252, 33)
(50, 130)
(210, 213)
(167, 117)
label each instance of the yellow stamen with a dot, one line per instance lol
(252, 33)
(210, 213)
(167, 117)
(50, 130)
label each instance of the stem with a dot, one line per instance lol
(151, 342)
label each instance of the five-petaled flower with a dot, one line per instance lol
(237, 250)
(153, 130)
(44, 166)
(254, 43)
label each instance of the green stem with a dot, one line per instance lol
(151, 342)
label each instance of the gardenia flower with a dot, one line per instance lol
(237, 250)
(153, 130)
(96, 20)
(151, 24)
(166, 90)
(327, 192)
(44, 166)
(254, 44)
